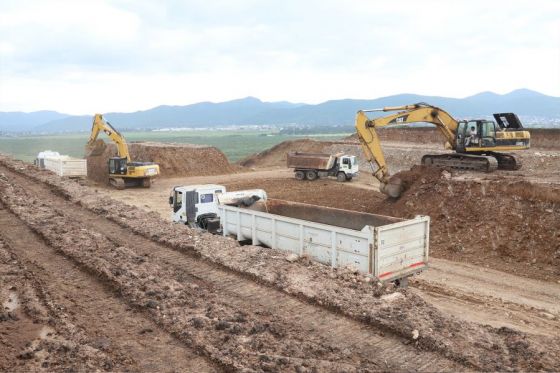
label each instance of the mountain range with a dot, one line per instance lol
(252, 111)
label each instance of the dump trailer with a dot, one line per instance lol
(62, 165)
(311, 166)
(387, 248)
(66, 166)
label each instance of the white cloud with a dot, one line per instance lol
(86, 56)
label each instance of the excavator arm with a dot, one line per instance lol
(100, 124)
(371, 144)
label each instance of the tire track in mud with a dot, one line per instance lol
(360, 345)
(111, 324)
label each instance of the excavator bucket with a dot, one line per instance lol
(393, 187)
(97, 148)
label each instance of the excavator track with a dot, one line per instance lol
(507, 161)
(117, 182)
(462, 161)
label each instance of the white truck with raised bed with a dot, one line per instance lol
(387, 248)
(311, 166)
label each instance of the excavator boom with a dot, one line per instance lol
(100, 124)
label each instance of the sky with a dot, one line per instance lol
(81, 57)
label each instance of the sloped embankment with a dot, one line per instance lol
(174, 160)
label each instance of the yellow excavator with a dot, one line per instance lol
(477, 144)
(122, 171)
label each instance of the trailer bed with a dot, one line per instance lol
(385, 247)
(66, 166)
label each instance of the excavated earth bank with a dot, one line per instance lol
(151, 286)
(174, 159)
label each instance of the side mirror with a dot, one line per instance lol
(170, 200)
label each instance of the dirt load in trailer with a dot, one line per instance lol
(388, 248)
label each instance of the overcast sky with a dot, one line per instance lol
(81, 57)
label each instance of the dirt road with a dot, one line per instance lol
(471, 292)
(483, 295)
(86, 262)
(123, 334)
(237, 307)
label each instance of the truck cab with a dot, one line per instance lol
(349, 165)
(197, 205)
(192, 204)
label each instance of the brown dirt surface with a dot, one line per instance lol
(173, 159)
(276, 156)
(36, 331)
(195, 285)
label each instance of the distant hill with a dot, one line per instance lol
(17, 121)
(252, 111)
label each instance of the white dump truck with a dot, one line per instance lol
(197, 205)
(311, 166)
(387, 248)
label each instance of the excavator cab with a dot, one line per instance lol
(479, 133)
(117, 166)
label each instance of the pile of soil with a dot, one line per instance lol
(276, 156)
(174, 160)
(515, 221)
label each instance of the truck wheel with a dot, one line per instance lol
(341, 177)
(311, 175)
(300, 175)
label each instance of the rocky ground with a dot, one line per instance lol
(232, 307)
(99, 279)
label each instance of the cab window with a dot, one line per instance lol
(488, 129)
(178, 201)
(206, 198)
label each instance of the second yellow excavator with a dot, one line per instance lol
(122, 171)
(477, 144)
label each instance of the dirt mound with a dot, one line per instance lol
(174, 159)
(515, 221)
(276, 156)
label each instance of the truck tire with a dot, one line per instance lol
(311, 175)
(341, 176)
(300, 175)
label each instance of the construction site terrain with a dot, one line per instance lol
(93, 278)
